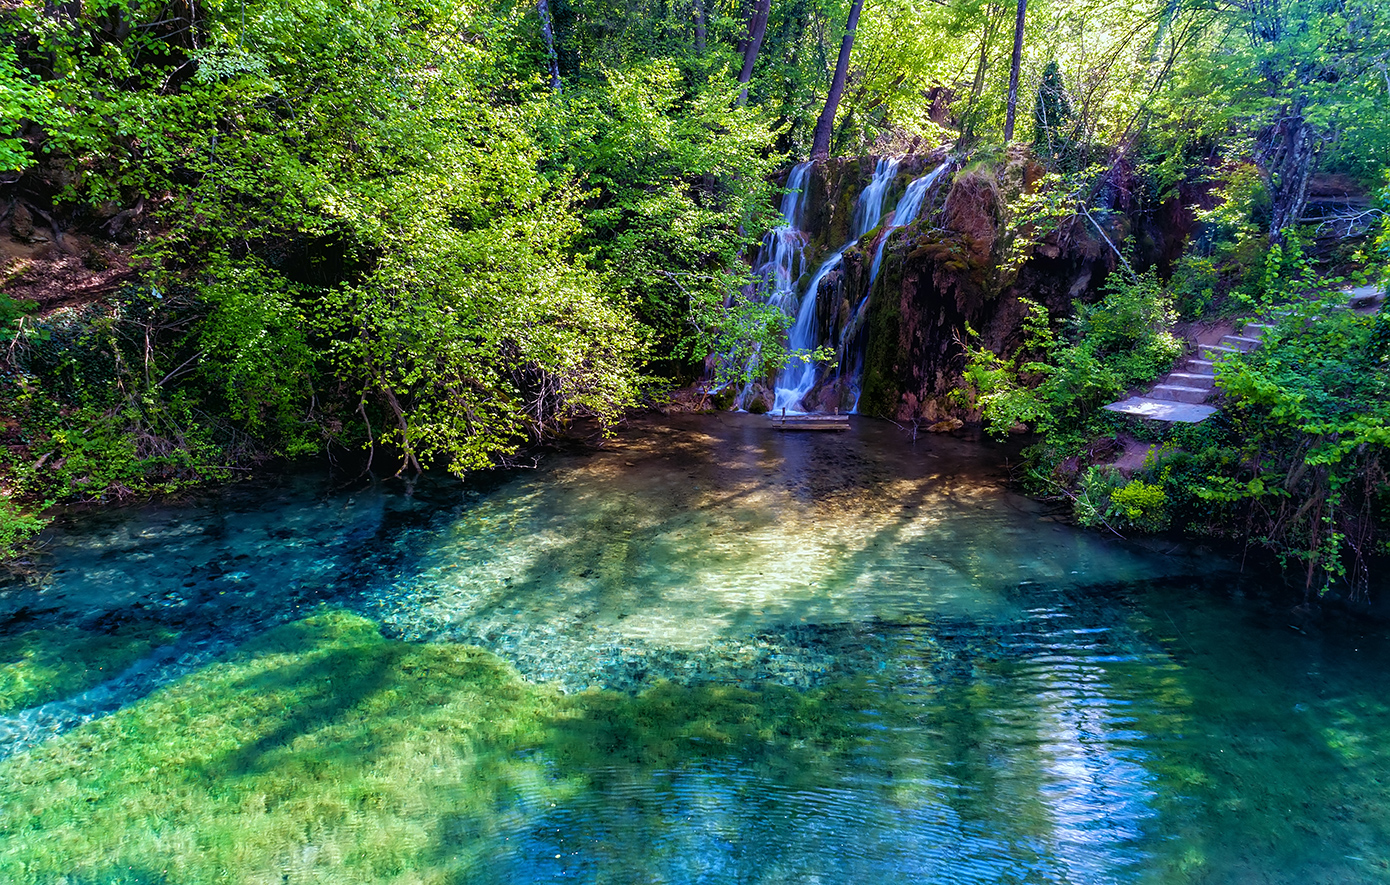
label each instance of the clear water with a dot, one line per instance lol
(710, 652)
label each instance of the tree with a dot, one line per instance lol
(1013, 70)
(757, 27)
(1299, 76)
(820, 141)
(1052, 118)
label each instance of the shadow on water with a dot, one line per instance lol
(347, 682)
(843, 659)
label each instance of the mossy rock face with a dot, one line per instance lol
(939, 276)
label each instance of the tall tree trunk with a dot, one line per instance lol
(1289, 165)
(700, 26)
(993, 19)
(1013, 72)
(548, 32)
(757, 27)
(820, 141)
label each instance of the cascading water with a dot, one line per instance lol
(851, 337)
(782, 249)
(799, 377)
(783, 245)
(906, 212)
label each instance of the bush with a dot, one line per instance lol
(1123, 340)
(1106, 498)
(16, 527)
(1141, 505)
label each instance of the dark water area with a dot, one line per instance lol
(709, 652)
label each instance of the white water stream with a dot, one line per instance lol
(851, 344)
(799, 376)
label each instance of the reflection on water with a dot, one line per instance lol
(709, 653)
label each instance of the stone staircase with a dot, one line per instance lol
(1184, 395)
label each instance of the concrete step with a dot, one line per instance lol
(1201, 367)
(1256, 330)
(1162, 410)
(1178, 394)
(1242, 343)
(1365, 296)
(1192, 379)
(1216, 351)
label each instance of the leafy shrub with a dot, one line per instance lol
(1106, 498)
(16, 527)
(1193, 285)
(1141, 505)
(1311, 413)
(1123, 340)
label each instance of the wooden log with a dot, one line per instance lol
(810, 422)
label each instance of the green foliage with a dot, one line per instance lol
(1311, 409)
(1193, 286)
(1122, 340)
(1035, 212)
(403, 242)
(676, 180)
(1106, 498)
(20, 99)
(1142, 505)
(16, 527)
(1053, 125)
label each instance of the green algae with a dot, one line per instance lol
(883, 350)
(42, 665)
(323, 752)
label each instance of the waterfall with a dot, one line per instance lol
(905, 213)
(783, 245)
(799, 377)
(781, 254)
(909, 206)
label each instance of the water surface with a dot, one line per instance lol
(709, 652)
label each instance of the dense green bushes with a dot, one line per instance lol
(1297, 462)
(367, 223)
(1122, 340)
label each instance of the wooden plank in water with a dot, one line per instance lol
(810, 422)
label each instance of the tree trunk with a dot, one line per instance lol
(993, 19)
(757, 27)
(820, 142)
(700, 26)
(1289, 166)
(1013, 71)
(548, 32)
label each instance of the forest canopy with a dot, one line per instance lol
(449, 229)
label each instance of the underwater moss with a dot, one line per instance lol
(42, 665)
(323, 752)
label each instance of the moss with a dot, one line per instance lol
(324, 752)
(39, 666)
(883, 348)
